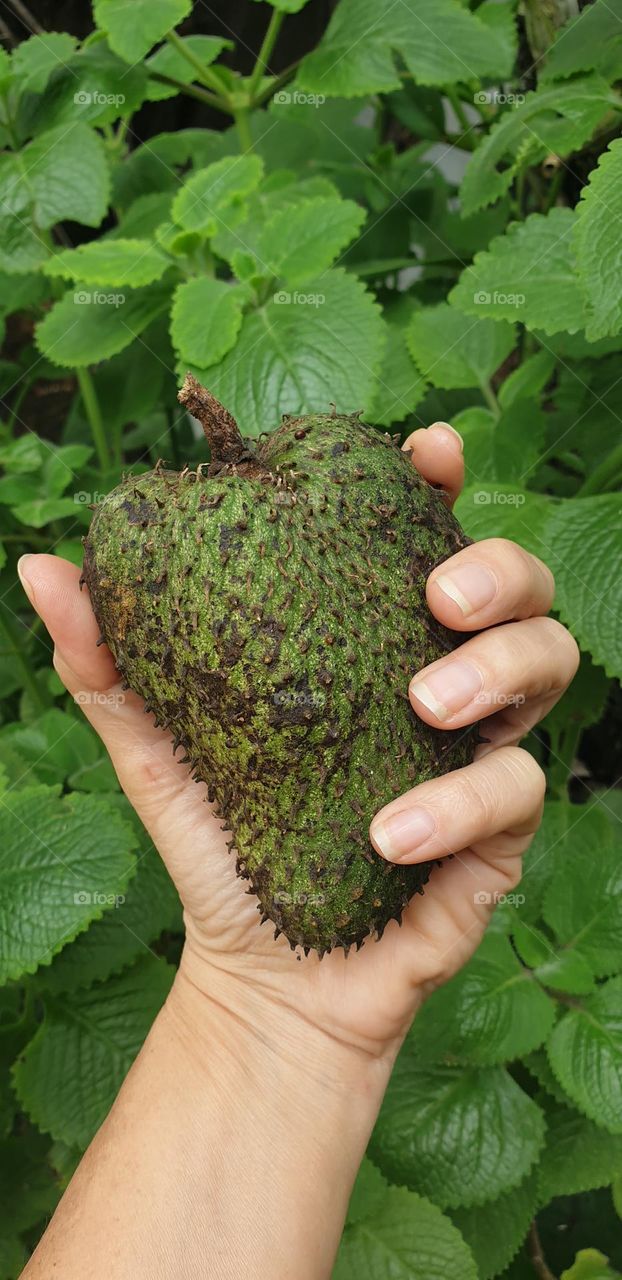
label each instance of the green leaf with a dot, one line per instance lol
(87, 326)
(244, 237)
(93, 86)
(452, 350)
(368, 1193)
(593, 42)
(492, 1011)
(577, 1155)
(34, 60)
(133, 29)
(399, 388)
(40, 511)
(539, 1067)
(61, 174)
(301, 351)
(461, 1136)
(56, 876)
(543, 857)
(583, 539)
(590, 1264)
(406, 1237)
(209, 193)
(528, 274)
(616, 1195)
(54, 744)
(70, 1073)
(504, 511)
(168, 61)
(585, 1052)
(494, 1232)
(528, 379)
(477, 428)
(27, 1189)
(560, 119)
(597, 245)
(205, 320)
(583, 901)
(113, 262)
(356, 54)
(150, 905)
(569, 972)
(518, 441)
(298, 243)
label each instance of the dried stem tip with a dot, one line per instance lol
(221, 429)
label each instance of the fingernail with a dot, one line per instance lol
(448, 427)
(470, 587)
(401, 833)
(448, 689)
(23, 577)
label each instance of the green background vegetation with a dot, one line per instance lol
(424, 221)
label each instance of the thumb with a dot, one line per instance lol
(158, 787)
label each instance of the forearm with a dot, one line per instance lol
(230, 1151)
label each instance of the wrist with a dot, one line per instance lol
(247, 1027)
(286, 1111)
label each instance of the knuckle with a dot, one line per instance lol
(567, 647)
(524, 771)
(480, 798)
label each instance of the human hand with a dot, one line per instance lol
(484, 814)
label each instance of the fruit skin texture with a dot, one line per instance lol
(272, 612)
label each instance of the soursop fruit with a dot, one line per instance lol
(270, 608)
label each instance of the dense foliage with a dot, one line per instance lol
(420, 217)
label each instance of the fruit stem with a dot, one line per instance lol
(221, 429)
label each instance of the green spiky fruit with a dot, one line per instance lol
(271, 610)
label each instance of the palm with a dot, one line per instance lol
(367, 998)
(369, 995)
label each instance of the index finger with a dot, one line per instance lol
(489, 582)
(436, 452)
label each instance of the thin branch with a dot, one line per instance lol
(537, 1258)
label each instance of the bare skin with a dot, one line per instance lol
(234, 1142)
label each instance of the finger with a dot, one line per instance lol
(436, 452)
(153, 780)
(503, 792)
(527, 665)
(490, 582)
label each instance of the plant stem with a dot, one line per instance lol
(459, 110)
(15, 644)
(192, 91)
(603, 475)
(204, 74)
(490, 397)
(269, 41)
(93, 413)
(276, 84)
(534, 1248)
(244, 130)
